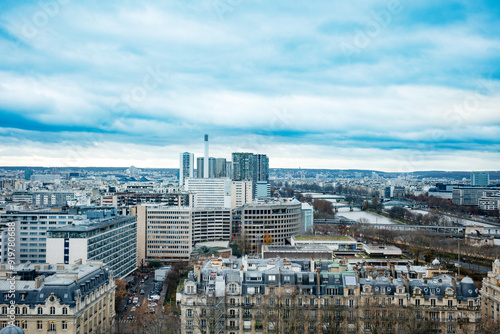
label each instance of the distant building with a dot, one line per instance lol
(243, 166)
(307, 217)
(262, 189)
(127, 199)
(200, 167)
(112, 241)
(480, 178)
(220, 168)
(73, 298)
(469, 195)
(186, 167)
(51, 198)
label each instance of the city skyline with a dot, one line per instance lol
(379, 85)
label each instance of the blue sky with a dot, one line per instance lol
(389, 85)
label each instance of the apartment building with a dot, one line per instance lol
(64, 298)
(306, 296)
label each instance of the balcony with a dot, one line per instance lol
(247, 316)
(232, 316)
(233, 328)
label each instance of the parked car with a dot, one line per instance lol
(142, 291)
(131, 317)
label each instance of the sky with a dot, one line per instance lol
(386, 85)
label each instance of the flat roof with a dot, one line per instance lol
(320, 238)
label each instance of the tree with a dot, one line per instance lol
(159, 322)
(267, 238)
(120, 293)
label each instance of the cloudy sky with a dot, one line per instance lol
(389, 85)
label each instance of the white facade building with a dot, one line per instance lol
(241, 193)
(186, 167)
(210, 193)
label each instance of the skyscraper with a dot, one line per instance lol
(220, 168)
(261, 167)
(186, 168)
(200, 167)
(243, 166)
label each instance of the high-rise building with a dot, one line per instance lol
(206, 172)
(186, 167)
(480, 178)
(211, 167)
(229, 169)
(243, 168)
(220, 168)
(261, 167)
(200, 167)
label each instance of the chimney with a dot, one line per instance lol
(205, 160)
(312, 265)
(38, 281)
(393, 270)
(454, 282)
(407, 283)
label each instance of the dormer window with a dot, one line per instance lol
(232, 288)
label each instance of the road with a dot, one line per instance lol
(123, 323)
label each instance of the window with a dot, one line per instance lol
(52, 326)
(39, 325)
(64, 325)
(4, 310)
(40, 310)
(433, 302)
(232, 288)
(52, 310)
(417, 302)
(65, 310)
(401, 302)
(24, 325)
(450, 303)
(189, 312)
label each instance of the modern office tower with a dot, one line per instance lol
(220, 168)
(241, 193)
(210, 225)
(210, 193)
(243, 166)
(307, 218)
(31, 229)
(112, 241)
(200, 167)
(262, 189)
(470, 195)
(281, 219)
(261, 165)
(281, 295)
(211, 167)
(186, 168)
(490, 292)
(168, 233)
(480, 178)
(229, 169)
(206, 171)
(60, 298)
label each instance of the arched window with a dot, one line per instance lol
(40, 310)
(4, 310)
(52, 310)
(65, 310)
(25, 310)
